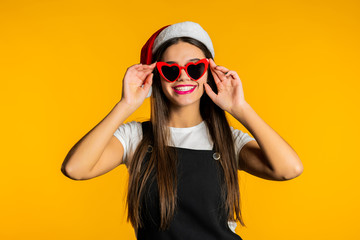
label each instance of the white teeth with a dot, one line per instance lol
(184, 88)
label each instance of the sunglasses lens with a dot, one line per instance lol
(196, 71)
(171, 73)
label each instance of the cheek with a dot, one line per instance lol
(203, 80)
(165, 87)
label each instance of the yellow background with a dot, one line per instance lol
(61, 70)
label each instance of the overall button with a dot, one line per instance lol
(216, 156)
(150, 149)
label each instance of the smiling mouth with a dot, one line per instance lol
(184, 89)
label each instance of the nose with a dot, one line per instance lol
(183, 75)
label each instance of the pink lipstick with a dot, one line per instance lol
(184, 89)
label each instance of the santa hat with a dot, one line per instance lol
(182, 29)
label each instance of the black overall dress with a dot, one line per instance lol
(199, 214)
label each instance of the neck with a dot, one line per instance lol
(182, 117)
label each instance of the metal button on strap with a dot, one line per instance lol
(216, 156)
(150, 148)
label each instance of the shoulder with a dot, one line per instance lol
(238, 132)
(129, 130)
(129, 134)
(130, 126)
(240, 138)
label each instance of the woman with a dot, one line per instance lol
(183, 164)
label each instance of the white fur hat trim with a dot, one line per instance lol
(184, 29)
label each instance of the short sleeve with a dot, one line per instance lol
(232, 225)
(240, 139)
(130, 135)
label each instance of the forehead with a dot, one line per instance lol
(181, 52)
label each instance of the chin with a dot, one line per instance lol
(181, 101)
(186, 102)
(186, 99)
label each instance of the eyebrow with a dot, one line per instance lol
(193, 59)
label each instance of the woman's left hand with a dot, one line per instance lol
(230, 93)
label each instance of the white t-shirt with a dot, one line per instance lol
(196, 137)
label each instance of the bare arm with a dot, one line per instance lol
(99, 150)
(270, 156)
(86, 153)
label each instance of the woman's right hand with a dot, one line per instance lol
(133, 93)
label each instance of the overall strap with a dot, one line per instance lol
(213, 147)
(146, 128)
(148, 133)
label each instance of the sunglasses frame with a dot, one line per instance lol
(159, 65)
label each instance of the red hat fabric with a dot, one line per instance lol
(146, 51)
(182, 29)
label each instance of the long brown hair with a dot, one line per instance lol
(164, 160)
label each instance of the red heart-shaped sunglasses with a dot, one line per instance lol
(171, 72)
